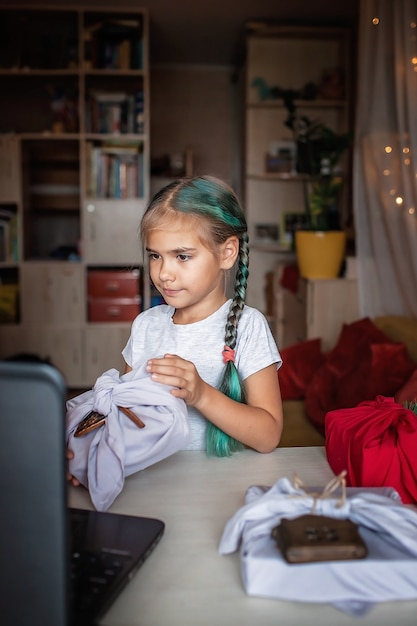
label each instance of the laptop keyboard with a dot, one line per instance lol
(106, 551)
(92, 576)
(95, 574)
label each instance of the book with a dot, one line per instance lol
(124, 54)
(114, 170)
(8, 233)
(139, 118)
(114, 112)
(114, 43)
(4, 241)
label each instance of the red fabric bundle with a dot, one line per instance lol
(376, 443)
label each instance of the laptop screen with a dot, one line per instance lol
(51, 554)
(33, 523)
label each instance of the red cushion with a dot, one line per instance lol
(408, 392)
(376, 444)
(364, 364)
(300, 362)
(391, 366)
(353, 341)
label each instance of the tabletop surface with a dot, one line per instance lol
(186, 581)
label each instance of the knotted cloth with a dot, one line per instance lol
(376, 442)
(105, 456)
(389, 529)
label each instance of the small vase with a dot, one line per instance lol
(320, 253)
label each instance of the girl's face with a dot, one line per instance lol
(188, 275)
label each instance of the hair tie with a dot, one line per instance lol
(228, 354)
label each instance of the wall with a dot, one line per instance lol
(197, 106)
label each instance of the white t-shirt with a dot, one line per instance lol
(154, 334)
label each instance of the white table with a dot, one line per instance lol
(186, 582)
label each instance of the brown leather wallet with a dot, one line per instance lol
(311, 538)
(94, 420)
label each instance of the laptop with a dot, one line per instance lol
(59, 566)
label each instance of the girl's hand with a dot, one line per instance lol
(176, 372)
(74, 481)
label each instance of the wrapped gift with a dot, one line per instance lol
(376, 443)
(121, 426)
(388, 528)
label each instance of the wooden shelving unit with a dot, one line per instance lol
(74, 144)
(285, 58)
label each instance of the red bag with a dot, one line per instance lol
(376, 442)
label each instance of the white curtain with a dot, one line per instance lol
(385, 158)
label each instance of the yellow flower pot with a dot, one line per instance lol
(320, 254)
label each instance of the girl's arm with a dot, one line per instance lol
(257, 424)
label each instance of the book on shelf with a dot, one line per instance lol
(115, 171)
(8, 234)
(138, 113)
(115, 113)
(9, 302)
(114, 44)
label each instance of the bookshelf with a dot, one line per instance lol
(74, 181)
(313, 62)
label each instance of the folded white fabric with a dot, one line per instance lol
(389, 529)
(103, 457)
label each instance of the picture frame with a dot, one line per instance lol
(291, 221)
(266, 234)
(281, 157)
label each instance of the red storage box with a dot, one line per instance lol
(113, 284)
(113, 309)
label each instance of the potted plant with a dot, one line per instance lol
(319, 150)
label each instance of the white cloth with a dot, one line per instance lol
(104, 456)
(389, 529)
(155, 334)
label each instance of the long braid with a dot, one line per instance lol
(218, 443)
(238, 301)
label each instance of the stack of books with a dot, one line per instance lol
(113, 44)
(115, 171)
(115, 113)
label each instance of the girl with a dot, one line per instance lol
(218, 354)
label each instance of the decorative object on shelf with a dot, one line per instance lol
(266, 234)
(179, 163)
(64, 110)
(265, 92)
(281, 157)
(332, 84)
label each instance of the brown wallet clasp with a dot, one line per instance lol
(95, 420)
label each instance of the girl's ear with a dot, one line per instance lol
(230, 252)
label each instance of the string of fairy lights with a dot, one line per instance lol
(406, 150)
